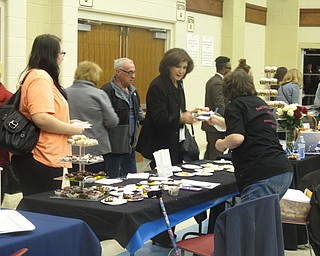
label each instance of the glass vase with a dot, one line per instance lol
(290, 134)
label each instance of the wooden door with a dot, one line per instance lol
(146, 52)
(100, 45)
(105, 43)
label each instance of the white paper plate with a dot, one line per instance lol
(173, 182)
(222, 161)
(184, 174)
(13, 221)
(116, 193)
(203, 118)
(191, 166)
(118, 201)
(228, 166)
(84, 125)
(211, 166)
(160, 178)
(176, 169)
(204, 173)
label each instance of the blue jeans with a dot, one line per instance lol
(278, 184)
(118, 165)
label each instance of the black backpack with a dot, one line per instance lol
(314, 220)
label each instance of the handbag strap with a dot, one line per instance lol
(192, 130)
(15, 98)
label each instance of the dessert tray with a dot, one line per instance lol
(85, 176)
(82, 140)
(93, 193)
(85, 159)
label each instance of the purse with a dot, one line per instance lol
(18, 134)
(189, 149)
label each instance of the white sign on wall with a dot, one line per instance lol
(87, 3)
(193, 47)
(207, 51)
(190, 24)
(181, 11)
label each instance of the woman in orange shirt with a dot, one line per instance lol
(44, 101)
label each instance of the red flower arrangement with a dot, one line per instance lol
(290, 116)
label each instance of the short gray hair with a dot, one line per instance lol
(118, 63)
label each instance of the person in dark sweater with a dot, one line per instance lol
(125, 100)
(261, 165)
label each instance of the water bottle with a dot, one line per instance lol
(317, 149)
(301, 148)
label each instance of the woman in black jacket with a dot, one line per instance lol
(166, 116)
(164, 124)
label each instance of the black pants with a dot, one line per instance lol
(214, 213)
(163, 239)
(34, 176)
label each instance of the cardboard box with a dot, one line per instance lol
(295, 205)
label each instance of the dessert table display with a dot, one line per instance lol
(51, 236)
(126, 215)
(268, 93)
(82, 159)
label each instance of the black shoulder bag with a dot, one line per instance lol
(18, 134)
(189, 148)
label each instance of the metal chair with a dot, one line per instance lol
(293, 212)
(299, 222)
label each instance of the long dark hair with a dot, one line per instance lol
(44, 54)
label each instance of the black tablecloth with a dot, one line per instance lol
(303, 167)
(121, 222)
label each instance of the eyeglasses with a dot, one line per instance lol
(130, 73)
(228, 68)
(63, 53)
